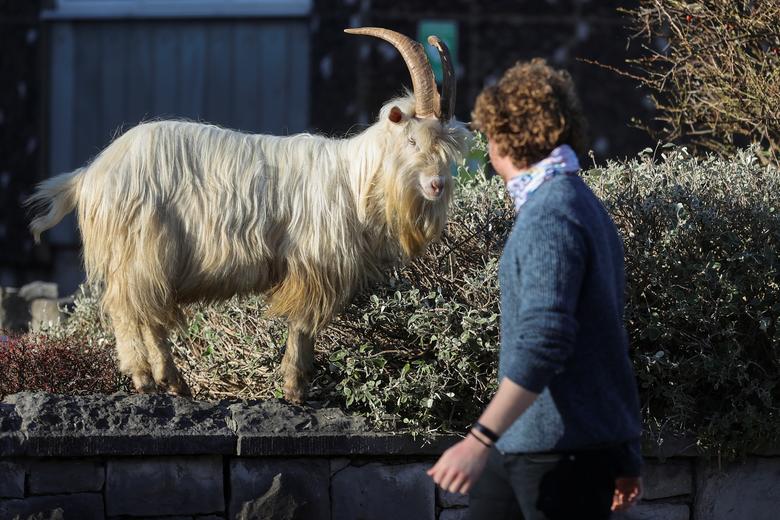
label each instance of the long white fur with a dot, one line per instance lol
(172, 212)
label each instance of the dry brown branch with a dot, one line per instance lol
(713, 69)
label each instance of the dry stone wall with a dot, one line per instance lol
(124, 457)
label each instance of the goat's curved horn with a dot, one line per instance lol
(427, 101)
(448, 78)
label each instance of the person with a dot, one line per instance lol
(560, 438)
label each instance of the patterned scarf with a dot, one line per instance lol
(562, 160)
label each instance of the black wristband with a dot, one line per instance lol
(485, 444)
(484, 430)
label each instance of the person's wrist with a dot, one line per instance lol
(475, 440)
(485, 432)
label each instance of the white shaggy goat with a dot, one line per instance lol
(173, 212)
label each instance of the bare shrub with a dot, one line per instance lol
(713, 68)
(66, 364)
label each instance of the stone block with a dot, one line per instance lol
(278, 429)
(654, 511)
(11, 480)
(45, 425)
(39, 290)
(44, 314)
(447, 499)
(56, 514)
(252, 444)
(65, 476)
(383, 492)
(11, 439)
(454, 514)
(279, 489)
(118, 424)
(750, 489)
(154, 518)
(14, 310)
(164, 486)
(338, 464)
(80, 506)
(671, 478)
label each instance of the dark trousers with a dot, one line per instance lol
(577, 485)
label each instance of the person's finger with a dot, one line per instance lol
(616, 500)
(448, 476)
(621, 499)
(464, 487)
(436, 467)
(436, 473)
(456, 482)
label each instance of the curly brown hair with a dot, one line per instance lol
(531, 110)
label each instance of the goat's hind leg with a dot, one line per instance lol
(297, 364)
(132, 354)
(164, 370)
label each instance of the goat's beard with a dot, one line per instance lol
(413, 220)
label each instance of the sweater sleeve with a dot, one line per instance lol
(629, 464)
(545, 271)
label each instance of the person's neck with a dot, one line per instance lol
(522, 182)
(510, 173)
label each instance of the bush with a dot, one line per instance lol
(714, 70)
(702, 238)
(701, 242)
(57, 364)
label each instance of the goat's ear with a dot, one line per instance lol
(395, 115)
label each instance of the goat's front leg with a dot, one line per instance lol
(164, 371)
(297, 364)
(131, 352)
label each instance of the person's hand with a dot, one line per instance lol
(460, 466)
(628, 491)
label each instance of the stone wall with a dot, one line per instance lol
(155, 457)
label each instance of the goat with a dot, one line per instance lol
(174, 212)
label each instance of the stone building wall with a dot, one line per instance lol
(158, 457)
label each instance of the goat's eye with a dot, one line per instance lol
(412, 141)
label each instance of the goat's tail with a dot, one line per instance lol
(54, 198)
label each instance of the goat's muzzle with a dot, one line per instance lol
(433, 187)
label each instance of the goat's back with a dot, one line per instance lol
(178, 211)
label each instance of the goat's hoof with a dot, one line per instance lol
(180, 390)
(144, 385)
(294, 395)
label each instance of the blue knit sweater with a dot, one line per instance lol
(562, 335)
